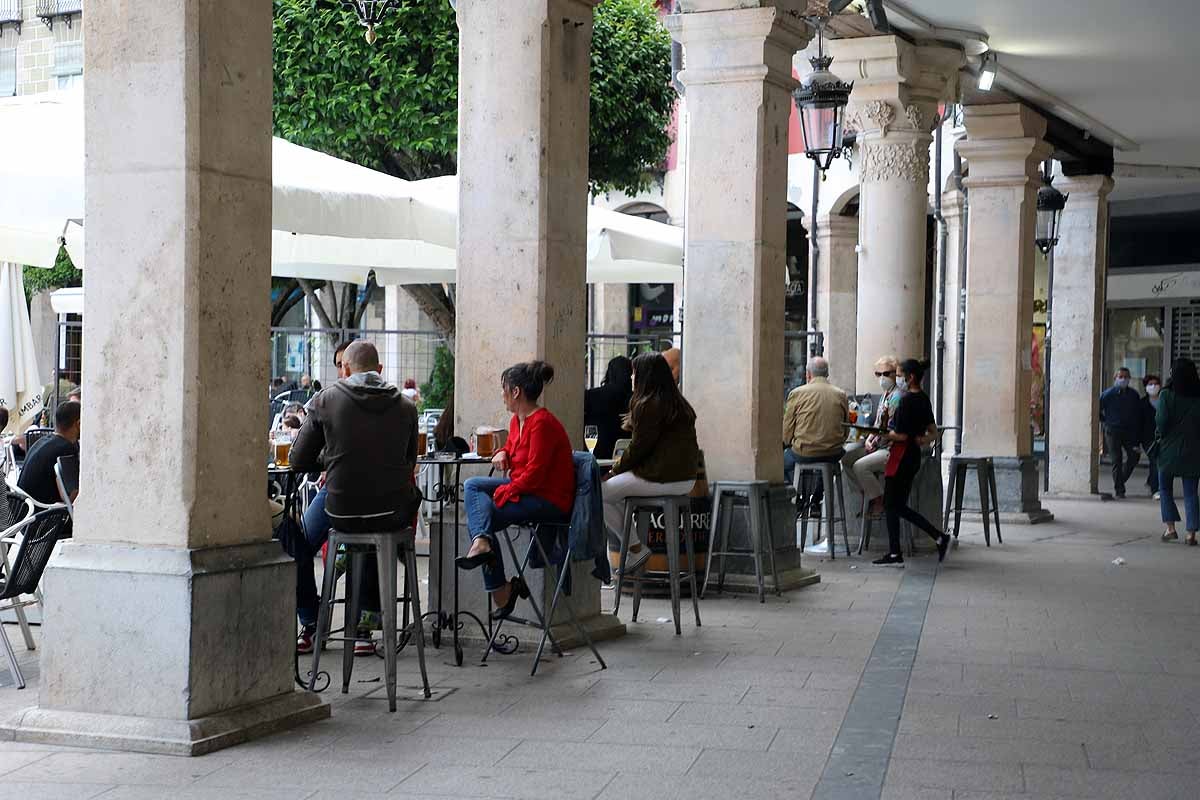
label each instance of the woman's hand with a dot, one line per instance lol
(500, 461)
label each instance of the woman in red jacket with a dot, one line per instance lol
(540, 486)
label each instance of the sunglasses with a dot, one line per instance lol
(890, 373)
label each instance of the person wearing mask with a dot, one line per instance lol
(1153, 386)
(813, 419)
(1121, 415)
(363, 432)
(606, 405)
(865, 462)
(37, 475)
(540, 486)
(1177, 429)
(663, 457)
(913, 428)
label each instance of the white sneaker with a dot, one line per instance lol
(634, 562)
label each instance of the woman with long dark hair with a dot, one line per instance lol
(663, 457)
(540, 486)
(914, 426)
(606, 405)
(1177, 433)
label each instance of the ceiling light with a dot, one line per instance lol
(987, 72)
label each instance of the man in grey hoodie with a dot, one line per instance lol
(363, 432)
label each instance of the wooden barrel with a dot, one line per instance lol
(656, 539)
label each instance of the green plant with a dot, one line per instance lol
(61, 275)
(440, 388)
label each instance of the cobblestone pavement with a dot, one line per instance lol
(1044, 670)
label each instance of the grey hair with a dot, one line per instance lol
(818, 367)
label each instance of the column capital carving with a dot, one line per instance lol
(1093, 187)
(736, 45)
(889, 71)
(904, 159)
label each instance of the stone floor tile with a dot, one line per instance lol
(997, 751)
(419, 747)
(561, 728)
(21, 790)
(194, 793)
(508, 782)
(671, 787)
(116, 768)
(671, 691)
(731, 737)
(669, 760)
(367, 774)
(724, 763)
(803, 697)
(956, 775)
(11, 760)
(781, 717)
(1093, 783)
(900, 791)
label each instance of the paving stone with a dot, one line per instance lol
(670, 787)
(998, 751)
(956, 774)
(758, 737)
(623, 757)
(346, 772)
(1095, 783)
(562, 728)
(115, 768)
(722, 763)
(530, 784)
(21, 790)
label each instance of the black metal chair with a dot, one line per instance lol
(35, 435)
(38, 536)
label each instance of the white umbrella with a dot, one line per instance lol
(20, 386)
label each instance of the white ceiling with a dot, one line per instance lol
(1134, 66)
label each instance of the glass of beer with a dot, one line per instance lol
(485, 444)
(281, 447)
(422, 444)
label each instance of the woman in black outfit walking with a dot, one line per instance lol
(914, 426)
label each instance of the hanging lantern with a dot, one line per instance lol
(370, 13)
(821, 101)
(1050, 205)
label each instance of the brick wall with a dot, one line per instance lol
(38, 46)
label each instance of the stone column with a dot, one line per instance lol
(837, 295)
(1080, 266)
(1004, 149)
(739, 83)
(170, 617)
(524, 72)
(953, 206)
(894, 105)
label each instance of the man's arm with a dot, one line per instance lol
(306, 450)
(789, 418)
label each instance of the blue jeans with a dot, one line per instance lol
(1191, 502)
(484, 519)
(316, 532)
(790, 460)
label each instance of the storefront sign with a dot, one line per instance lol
(1176, 285)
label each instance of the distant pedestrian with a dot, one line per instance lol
(914, 428)
(411, 391)
(1177, 428)
(1121, 415)
(1153, 385)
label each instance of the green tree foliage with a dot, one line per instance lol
(393, 106)
(439, 390)
(61, 275)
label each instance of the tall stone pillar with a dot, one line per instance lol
(170, 617)
(837, 295)
(953, 208)
(739, 83)
(894, 106)
(524, 72)
(1004, 149)
(1080, 266)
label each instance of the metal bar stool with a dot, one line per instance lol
(544, 621)
(989, 499)
(755, 496)
(389, 547)
(864, 534)
(672, 508)
(830, 474)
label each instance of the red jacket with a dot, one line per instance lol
(540, 462)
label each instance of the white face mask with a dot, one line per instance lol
(1153, 389)
(1122, 383)
(902, 384)
(886, 383)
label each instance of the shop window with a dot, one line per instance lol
(1134, 339)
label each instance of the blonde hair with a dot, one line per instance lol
(888, 361)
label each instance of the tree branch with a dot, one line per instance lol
(311, 293)
(286, 302)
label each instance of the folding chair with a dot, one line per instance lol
(66, 475)
(536, 531)
(39, 534)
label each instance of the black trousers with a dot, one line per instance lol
(1123, 450)
(895, 504)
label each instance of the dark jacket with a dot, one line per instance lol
(363, 432)
(1149, 412)
(603, 407)
(586, 539)
(660, 453)
(1121, 411)
(1178, 427)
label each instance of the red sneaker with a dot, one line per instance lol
(304, 642)
(364, 647)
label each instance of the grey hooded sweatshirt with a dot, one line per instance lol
(363, 432)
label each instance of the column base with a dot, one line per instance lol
(165, 649)
(742, 583)
(165, 736)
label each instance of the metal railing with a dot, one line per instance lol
(50, 10)
(10, 12)
(296, 352)
(604, 347)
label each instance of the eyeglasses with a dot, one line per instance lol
(890, 373)
(337, 364)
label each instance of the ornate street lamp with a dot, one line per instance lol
(1050, 205)
(821, 100)
(370, 12)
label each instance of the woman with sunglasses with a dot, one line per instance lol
(864, 462)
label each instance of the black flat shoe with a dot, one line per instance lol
(472, 562)
(517, 589)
